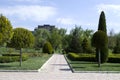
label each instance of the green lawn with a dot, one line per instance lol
(31, 64)
(92, 66)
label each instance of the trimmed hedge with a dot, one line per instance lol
(10, 54)
(113, 58)
(73, 56)
(34, 54)
(81, 57)
(7, 59)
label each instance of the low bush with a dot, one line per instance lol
(73, 56)
(34, 54)
(47, 48)
(11, 54)
(87, 57)
(81, 57)
(114, 58)
(7, 59)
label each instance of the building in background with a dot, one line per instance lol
(45, 26)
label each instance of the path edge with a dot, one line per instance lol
(69, 64)
(45, 63)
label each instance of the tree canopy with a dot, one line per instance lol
(6, 31)
(22, 38)
(41, 36)
(99, 39)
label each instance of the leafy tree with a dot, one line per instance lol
(62, 32)
(99, 41)
(64, 41)
(112, 40)
(86, 46)
(47, 48)
(78, 31)
(41, 36)
(102, 27)
(55, 39)
(88, 34)
(22, 38)
(75, 44)
(117, 46)
(6, 30)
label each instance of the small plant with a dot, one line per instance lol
(47, 48)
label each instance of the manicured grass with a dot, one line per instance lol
(92, 66)
(31, 64)
(86, 62)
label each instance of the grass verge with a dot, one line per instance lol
(31, 64)
(93, 66)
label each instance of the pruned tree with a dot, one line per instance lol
(99, 40)
(22, 38)
(47, 48)
(104, 49)
(102, 22)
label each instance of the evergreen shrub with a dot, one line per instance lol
(47, 48)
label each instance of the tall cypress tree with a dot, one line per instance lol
(102, 22)
(104, 49)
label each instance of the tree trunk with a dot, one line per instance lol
(20, 57)
(99, 56)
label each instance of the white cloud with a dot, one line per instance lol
(66, 21)
(109, 8)
(31, 12)
(32, 1)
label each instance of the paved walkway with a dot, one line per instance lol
(56, 64)
(56, 68)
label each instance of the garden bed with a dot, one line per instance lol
(86, 62)
(33, 63)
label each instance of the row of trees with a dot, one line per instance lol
(77, 41)
(114, 42)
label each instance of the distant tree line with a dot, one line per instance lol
(78, 40)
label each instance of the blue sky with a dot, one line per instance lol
(61, 13)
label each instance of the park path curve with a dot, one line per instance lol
(56, 68)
